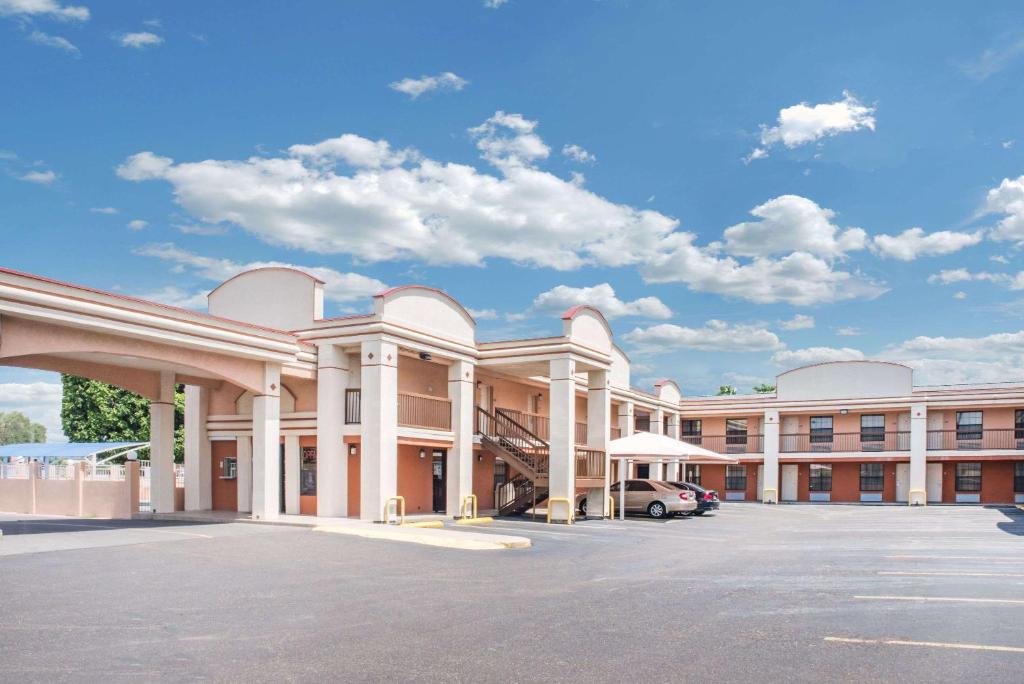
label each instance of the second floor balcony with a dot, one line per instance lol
(975, 438)
(414, 410)
(828, 442)
(728, 444)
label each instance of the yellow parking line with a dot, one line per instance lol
(954, 574)
(931, 644)
(940, 599)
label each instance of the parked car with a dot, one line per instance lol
(653, 497)
(707, 499)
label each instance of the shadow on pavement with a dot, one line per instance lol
(12, 528)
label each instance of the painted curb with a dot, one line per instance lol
(453, 540)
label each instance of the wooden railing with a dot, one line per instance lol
(844, 442)
(728, 444)
(424, 411)
(589, 463)
(541, 425)
(616, 432)
(521, 443)
(972, 439)
(353, 404)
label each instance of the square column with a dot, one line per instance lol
(331, 454)
(266, 446)
(198, 468)
(562, 461)
(243, 473)
(292, 465)
(627, 418)
(657, 470)
(918, 455)
(770, 493)
(599, 419)
(673, 471)
(459, 468)
(378, 463)
(161, 446)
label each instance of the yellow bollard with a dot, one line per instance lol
(470, 498)
(568, 504)
(910, 496)
(774, 497)
(399, 510)
(611, 507)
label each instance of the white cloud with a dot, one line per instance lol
(509, 140)
(960, 295)
(175, 296)
(994, 59)
(103, 210)
(714, 336)
(144, 166)
(962, 275)
(997, 357)
(201, 229)
(414, 87)
(482, 314)
(40, 177)
(803, 123)
(849, 331)
(58, 42)
(560, 298)
(355, 151)
(139, 40)
(577, 153)
(152, 23)
(45, 8)
(1007, 144)
(792, 358)
(138, 224)
(338, 287)
(913, 243)
(999, 259)
(40, 401)
(798, 322)
(1007, 199)
(494, 4)
(792, 223)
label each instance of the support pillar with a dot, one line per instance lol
(331, 454)
(378, 462)
(770, 494)
(627, 418)
(599, 419)
(672, 469)
(657, 470)
(292, 474)
(266, 446)
(243, 473)
(198, 466)
(459, 468)
(161, 446)
(918, 455)
(562, 461)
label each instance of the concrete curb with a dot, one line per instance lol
(466, 541)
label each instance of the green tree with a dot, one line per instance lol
(726, 389)
(764, 388)
(17, 428)
(93, 411)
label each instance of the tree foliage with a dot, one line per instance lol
(764, 388)
(726, 389)
(93, 411)
(17, 428)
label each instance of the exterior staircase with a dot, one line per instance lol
(524, 451)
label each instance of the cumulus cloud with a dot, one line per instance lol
(139, 40)
(962, 275)
(58, 42)
(103, 210)
(998, 357)
(1008, 200)
(792, 358)
(176, 296)
(849, 331)
(714, 336)
(494, 4)
(798, 322)
(803, 123)
(39, 177)
(338, 287)
(355, 151)
(792, 223)
(560, 298)
(913, 243)
(577, 153)
(43, 8)
(482, 314)
(40, 401)
(414, 87)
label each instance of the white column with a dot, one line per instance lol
(599, 419)
(627, 418)
(378, 462)
(672, 470)
(266, 446)
(657, 470)
(562, 462)
(198, 468)
(243, 473)
(459, 469)
(771, 457)
(292, 466)
(161, 446)
(918, 455)
(331, 454)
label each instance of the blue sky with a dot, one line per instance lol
(744, 187)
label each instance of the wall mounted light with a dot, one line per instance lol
(479, 457)
(844, 411)
(424, 356)
(423, 453)
(351, 449)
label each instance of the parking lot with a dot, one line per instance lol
(787, 593)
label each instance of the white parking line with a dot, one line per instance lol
(940, 599)
(998, 559)
(931, 644)
(952, 574)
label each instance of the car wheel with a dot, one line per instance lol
(699, 512)
(657, 510)
(583, 508)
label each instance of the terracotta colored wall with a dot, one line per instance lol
(222, 401)
(715, 425)
(992, 417)
(304, 392)
(713, 477)
(415, 479)
(225, 492)
(422, 377)
(996, 480)
(514, 395)
(845, 481)
(353, 483)
(889, 491)
(483, 479)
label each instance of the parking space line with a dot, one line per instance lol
(930, 644)
(1000, 559)
(940, 599)
(952, 574)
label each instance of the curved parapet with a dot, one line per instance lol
(845, 380)
(274, 296)
(585, 325)
(428, 310)
(668, 390)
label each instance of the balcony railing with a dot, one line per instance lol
(844, 442)
(616, 432)
(972, 439)
(353, 398)
(541, 425)
(728, 444)
(424, 411)
(589, 463)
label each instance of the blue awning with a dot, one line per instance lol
(68, 450)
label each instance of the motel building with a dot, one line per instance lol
(288, 412)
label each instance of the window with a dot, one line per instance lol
(968, 425)
(691, 428)
(1018, 424)
(872, 428)
(821, 477)
(872, 477)
(307, 472)
(229, 468)
(642, 423)
(968, 477)
(643, 471)
(693, 474)
(821, 429)
(639, 486)
(1018, 476)
(736, 431)
(500, 473)
(736, 477)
